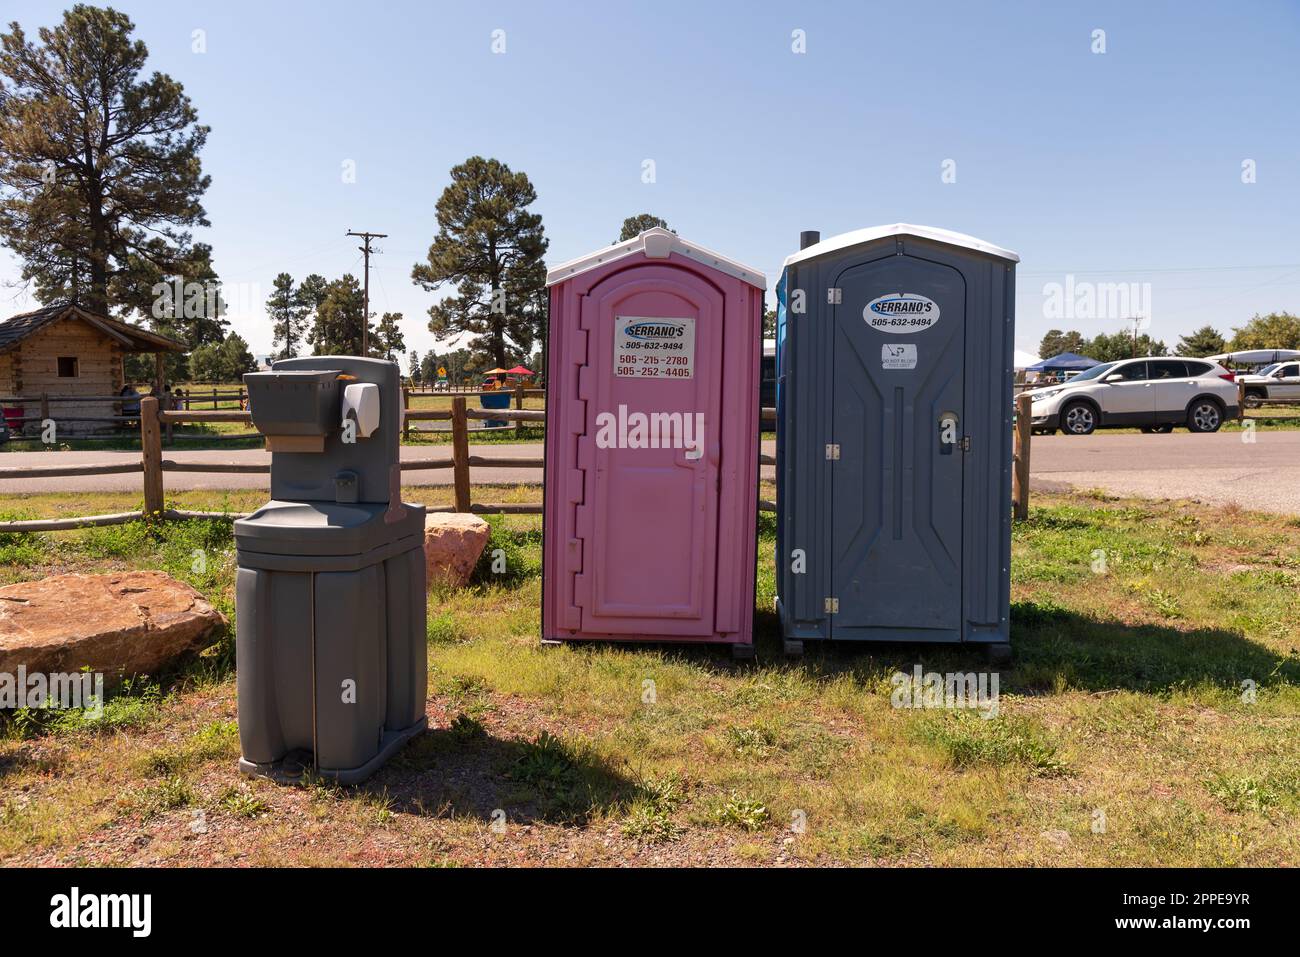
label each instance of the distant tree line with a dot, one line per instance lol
(1277, 330)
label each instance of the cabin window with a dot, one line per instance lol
(67, 367)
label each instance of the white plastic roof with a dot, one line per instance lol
(934, 233)
(1021, 359)
(1256, 355)
(655, 243)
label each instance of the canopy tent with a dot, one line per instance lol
(1022, 360)
(1256, 356)
(1065, 362)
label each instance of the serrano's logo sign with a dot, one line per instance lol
(901, 312)
(654, 330)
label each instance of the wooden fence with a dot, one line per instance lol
(45, 400)
(1021, 441)
(196, 399)
(153, 466)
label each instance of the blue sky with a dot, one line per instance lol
(1124, 166)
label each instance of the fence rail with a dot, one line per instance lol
(155, 421)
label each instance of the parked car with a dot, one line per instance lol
(1154, 394)
(1277, 382)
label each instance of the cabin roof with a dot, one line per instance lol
(132, 338)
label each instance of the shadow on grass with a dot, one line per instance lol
(1056, 647)
(1052, 643)
(464, 770)
(20, 760)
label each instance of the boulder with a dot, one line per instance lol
(129, 623)
(453, 542)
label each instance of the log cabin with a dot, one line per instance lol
(67, 364)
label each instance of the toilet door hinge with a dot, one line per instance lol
(965, 443)
(834, 296)
(832, 606)
(832, 452)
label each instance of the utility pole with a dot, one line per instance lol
(365, 318)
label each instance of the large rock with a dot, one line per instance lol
(453, 542)
(133, 623)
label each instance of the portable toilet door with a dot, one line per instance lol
(894, 438)
(652, 445)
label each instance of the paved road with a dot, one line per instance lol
(1218, 468)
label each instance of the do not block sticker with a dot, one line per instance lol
(650, 348)
(900, 356)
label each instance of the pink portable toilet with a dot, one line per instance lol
(652, 445)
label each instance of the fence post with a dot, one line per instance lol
(214, 398)
(1020, 475)
(1241, 401)
(519, 403)
(151, 453)
(406, 407)
(460, 453)
(45, 408)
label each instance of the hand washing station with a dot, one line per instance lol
(330, 594)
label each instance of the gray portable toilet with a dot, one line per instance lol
(894, 363)
(330, 591)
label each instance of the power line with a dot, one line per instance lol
(1094, 272)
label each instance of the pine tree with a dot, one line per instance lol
(490, 247)
(224, 361)
(1205, 341)
(337, 330)
(388, 335)
(236, 359)
(288, 314)
(311, 293)
(1055, 342)
(100, 178)
(634, 226)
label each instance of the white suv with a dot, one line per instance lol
(1154, 394)
(1278, 382)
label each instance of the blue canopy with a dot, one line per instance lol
(1065, 362)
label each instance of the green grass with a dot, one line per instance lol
(1155, 689)
(969, 740)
